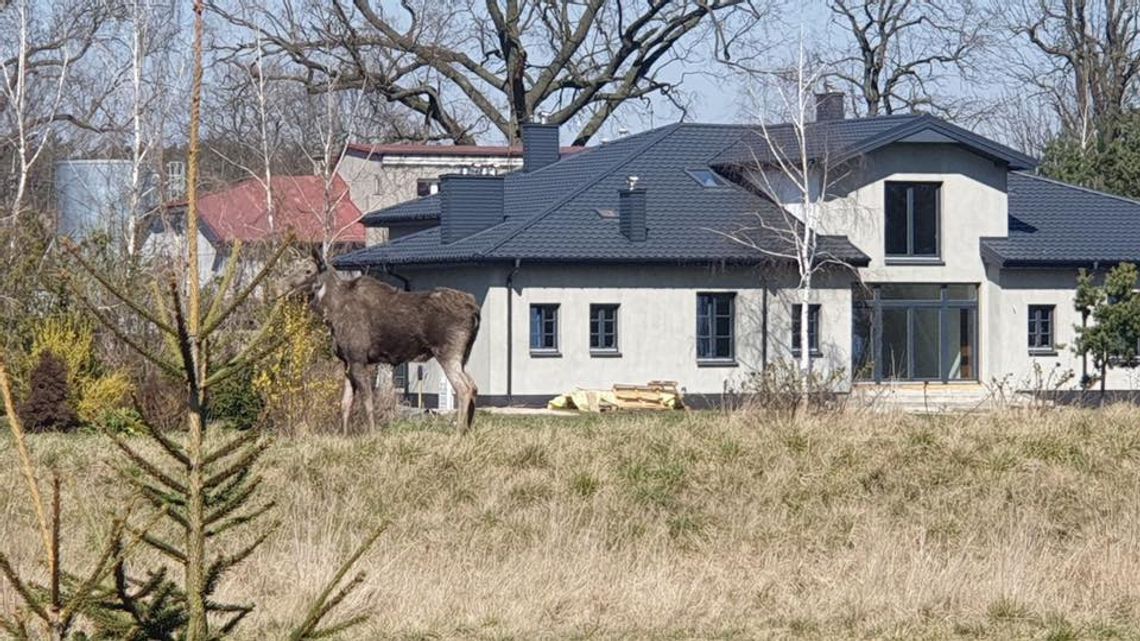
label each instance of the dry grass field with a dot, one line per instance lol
(685, 526)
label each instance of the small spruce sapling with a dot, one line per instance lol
(1112, 337)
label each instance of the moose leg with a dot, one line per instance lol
(472, 392)
(346, 403)
(464, 390)
(363, 383)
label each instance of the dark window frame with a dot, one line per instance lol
(723, 305)
(549, 330)
(401, 376)
(598, 331)
(910, 254)
(1042, 340)
(424, 187)
(813, 329)
(869, 305)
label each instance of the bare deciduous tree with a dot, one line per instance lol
(499, 63)
(43, 45)
(902, 52)
(1089, 60)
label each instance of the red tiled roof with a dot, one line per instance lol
(411, 149)
(239, 213)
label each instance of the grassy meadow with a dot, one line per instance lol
(682, 526)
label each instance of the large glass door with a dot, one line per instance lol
(915, 332)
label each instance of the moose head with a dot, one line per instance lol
(306, 274)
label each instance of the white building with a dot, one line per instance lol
(954, 264)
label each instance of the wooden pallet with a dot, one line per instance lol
(649, 396)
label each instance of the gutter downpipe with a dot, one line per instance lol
(392, 371)
(406, 281)
(764, 324)
(510, 331)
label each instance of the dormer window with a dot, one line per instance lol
(912, 219)
(705, 177)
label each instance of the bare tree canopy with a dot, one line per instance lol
(471, 64)
(1091, 57)
(900, 52)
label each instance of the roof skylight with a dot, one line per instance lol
(705, 177)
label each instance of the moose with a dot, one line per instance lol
(373, 322)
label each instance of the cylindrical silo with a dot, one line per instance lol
(93, 196)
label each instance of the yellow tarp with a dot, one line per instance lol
(657, 395)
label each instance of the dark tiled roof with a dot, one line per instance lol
(822, 139)
(1052, 224)
(551, 214)
(426, 208)
(445, 151)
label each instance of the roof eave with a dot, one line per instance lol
(340, 263)
(372, 220)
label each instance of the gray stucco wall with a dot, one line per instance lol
(1016, 290)
(657, 325)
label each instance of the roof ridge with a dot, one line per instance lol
(662, 133)
(1089, 190)
(842, 120)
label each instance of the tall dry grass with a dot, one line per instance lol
(1008, 526)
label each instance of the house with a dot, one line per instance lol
(380, 176)
(302, 206)
(953, 263)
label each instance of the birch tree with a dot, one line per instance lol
(792, 167)
(43, 45)
(151, 43)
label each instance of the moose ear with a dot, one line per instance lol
(319, 258)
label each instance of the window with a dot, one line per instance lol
(603, 328)
(813, 328)
(400, 377)
(715, 340)
(912, 219)
(705, 177)
(427, 187)
(606, 214)
(1041, 328)
(544, 328)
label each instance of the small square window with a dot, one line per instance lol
(813, 328)
(705, 177)
(1041, 328)
(544, 328)
(603, 328)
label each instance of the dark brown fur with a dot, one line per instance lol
(372, 322)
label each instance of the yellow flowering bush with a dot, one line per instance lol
(295, 380)
(98, 395)
(72, 339)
